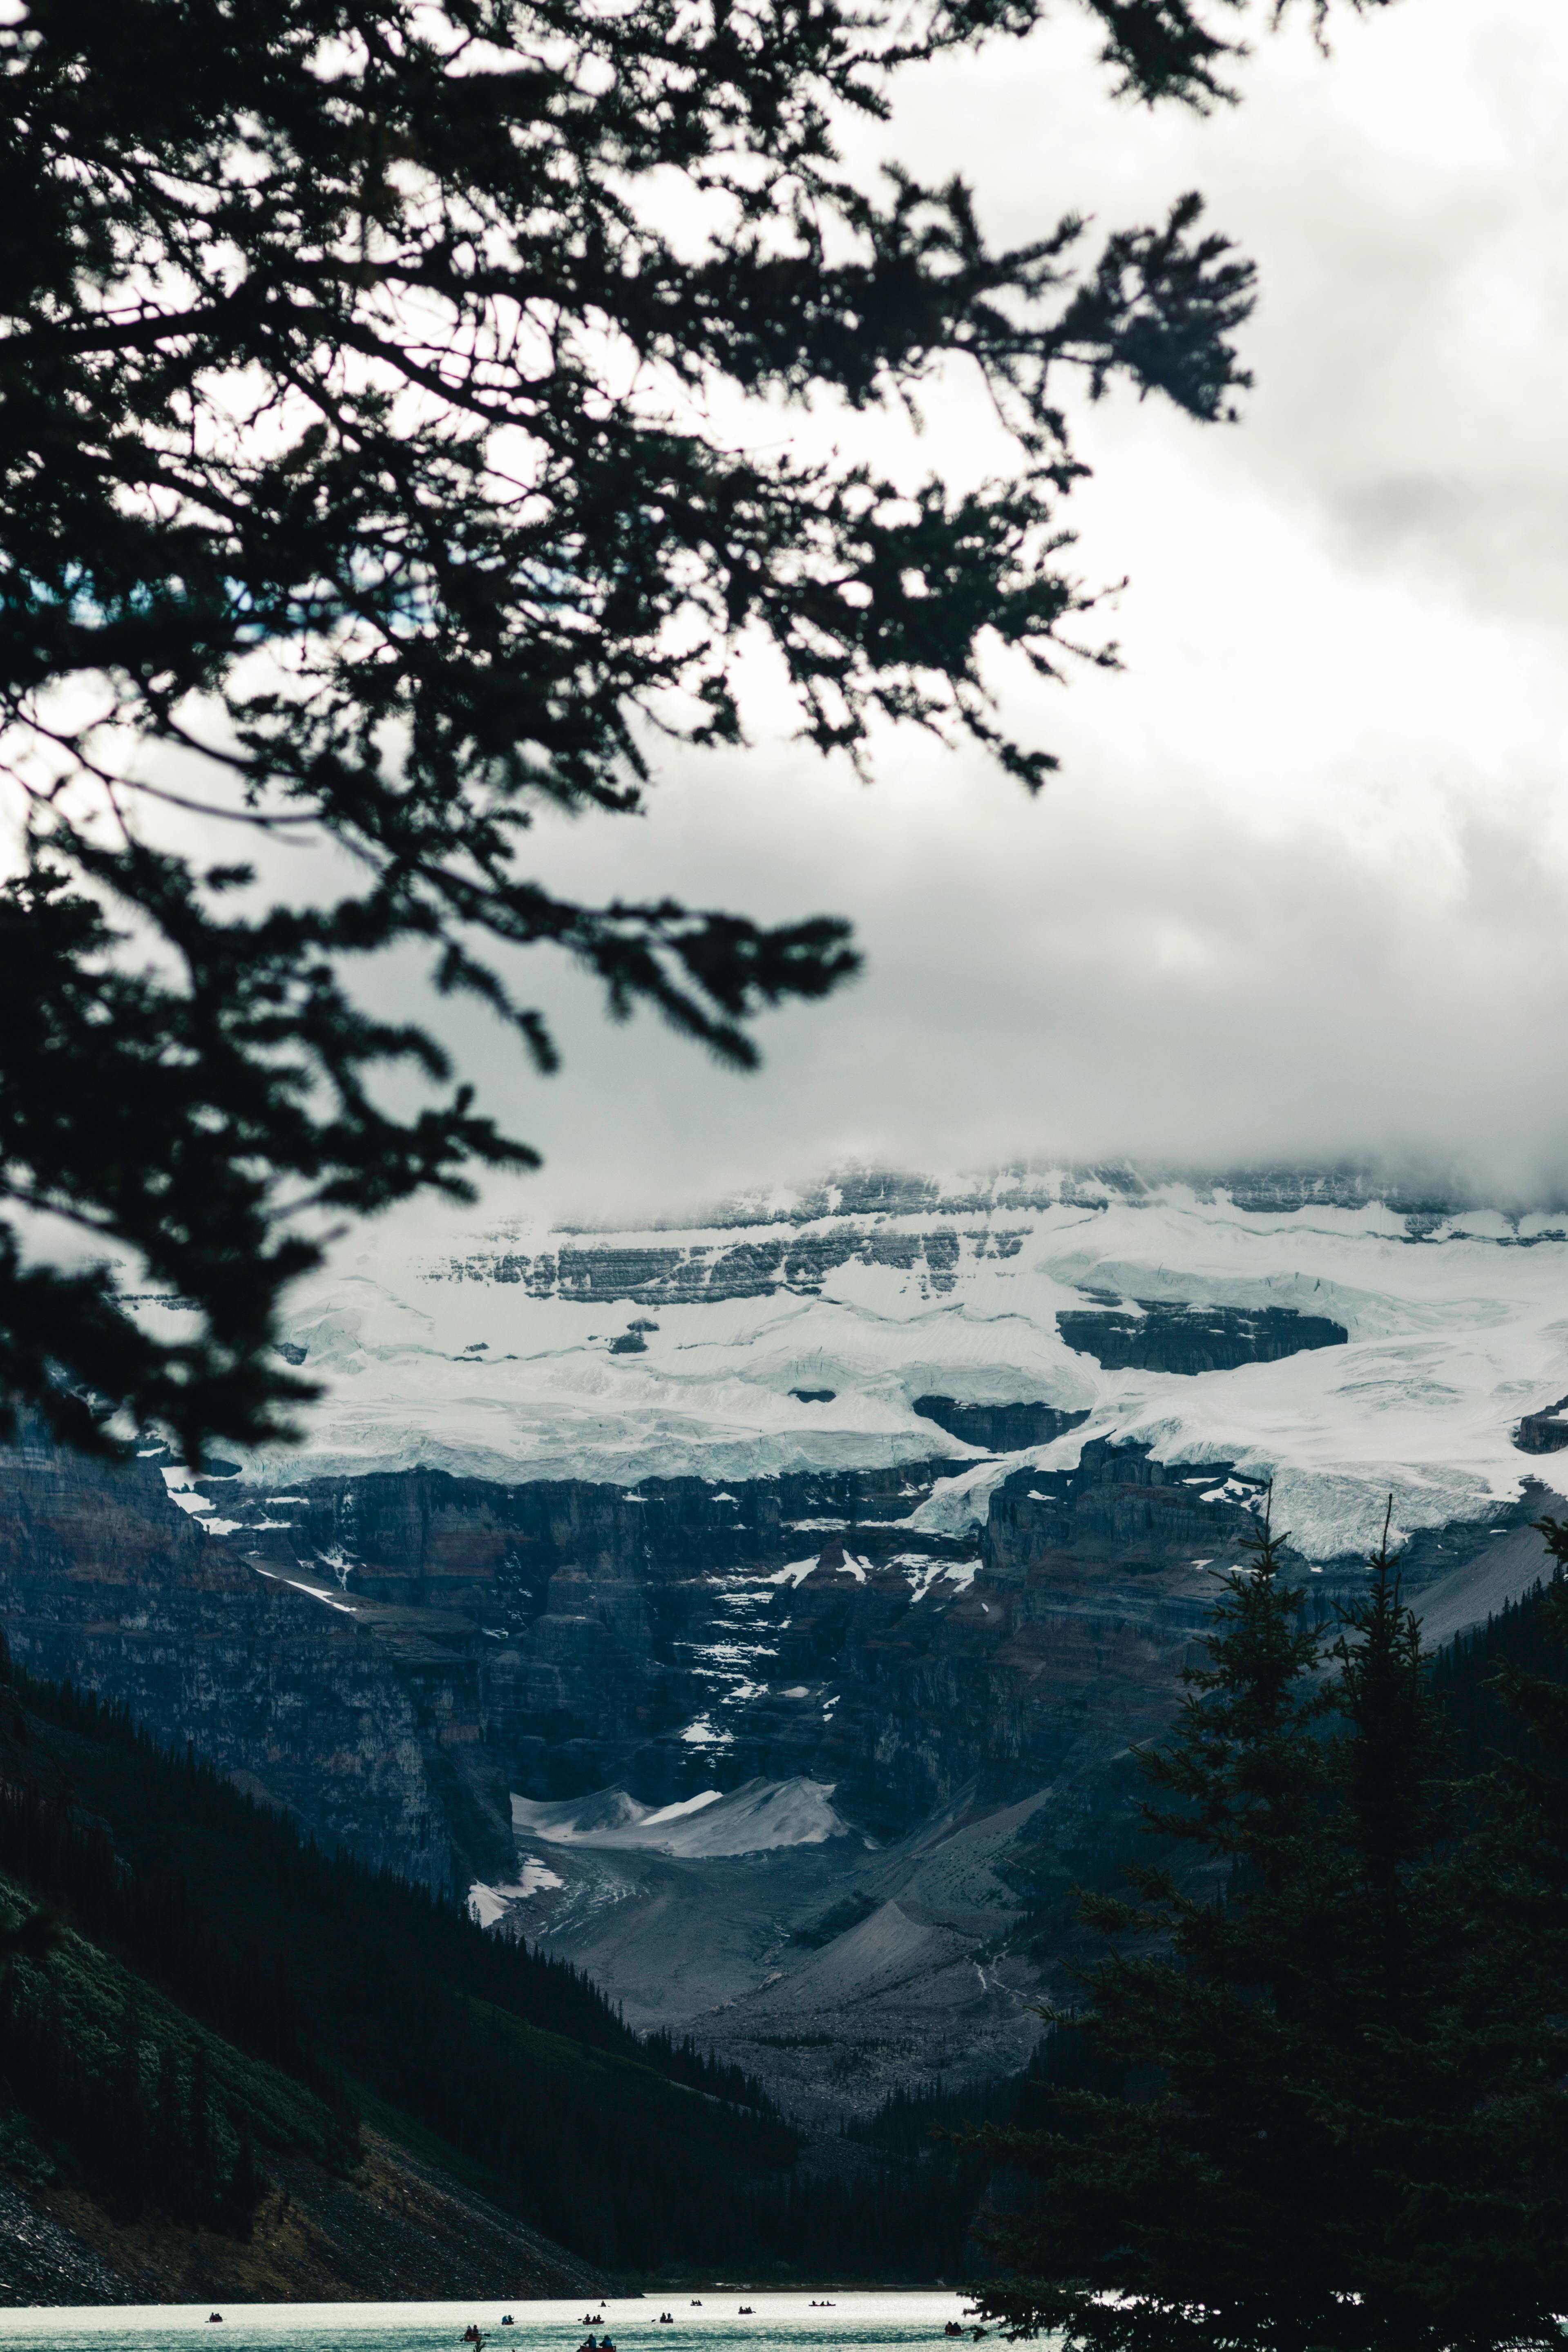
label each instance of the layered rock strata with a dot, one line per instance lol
(392, 1657)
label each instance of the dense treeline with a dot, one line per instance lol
(933, 2172)
(685, 2062)
(1465, 1673)
(899, 2223)
(926, 2125)
(172, 2145)
(169, 1812)
(1313, 2097)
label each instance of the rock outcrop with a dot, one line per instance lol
(390, 1657)
(1163, 1337)
(999, 1428)
(1545, 1432)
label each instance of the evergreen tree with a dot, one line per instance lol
(1442, 2058)
(170, 2150)
(1531, 1779)
(125, 2121)
(370, 475)
(1320, 2113)
(243, 2190)
(199, 2124)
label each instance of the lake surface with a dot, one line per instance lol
(782, 2323)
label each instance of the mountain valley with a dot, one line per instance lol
(758, 1613)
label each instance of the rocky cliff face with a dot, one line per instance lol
(998, 1428)
(355, 1723)
(393, 1657)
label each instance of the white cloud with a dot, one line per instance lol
(1302, 884)
(1301, 887)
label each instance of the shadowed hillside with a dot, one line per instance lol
(232, 2007)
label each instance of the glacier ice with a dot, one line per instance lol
(1458, 1324)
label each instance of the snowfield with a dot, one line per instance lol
(432, 1354)
(757, 1818)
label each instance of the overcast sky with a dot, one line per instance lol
(1300, 885)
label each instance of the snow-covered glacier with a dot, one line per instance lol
(803, 1331)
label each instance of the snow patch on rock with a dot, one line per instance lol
(756, 1817)
(489, 1905)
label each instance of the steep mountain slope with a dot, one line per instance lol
(233, 2001)
(144, 2157)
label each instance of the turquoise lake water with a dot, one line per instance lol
(782, 2322)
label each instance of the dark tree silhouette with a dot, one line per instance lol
(368, 477)
(1318, 2107)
